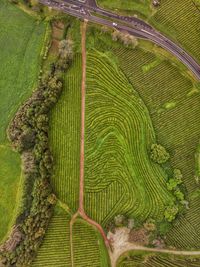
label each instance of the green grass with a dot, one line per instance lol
(21, 42)
(65, 138)
(141, 7)
(9, 177)
(144, 259)
(119, 176)
(89, 249)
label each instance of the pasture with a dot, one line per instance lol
(141, 7)
(21, 42)
(119, 176)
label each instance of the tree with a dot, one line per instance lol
(159, 154)
(171, 212)
(66, 49)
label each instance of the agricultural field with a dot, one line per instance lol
(113, 121)
(65, 136)
(55, 250)
(110, 140)
(21, 42)
(142, 259)
(89, 248)
(174, 110)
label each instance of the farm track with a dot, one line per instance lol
(133, 247)
(81, 210)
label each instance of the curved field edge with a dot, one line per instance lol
(22, 41)
(119, 179)
(173, 102)
(147, 259)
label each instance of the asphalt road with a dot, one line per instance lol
(88, 9)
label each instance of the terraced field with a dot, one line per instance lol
(21, 43)
(119, 176)
(173, 103)
(65, 138)
(89, 249)
(55, 249)
(138, 259)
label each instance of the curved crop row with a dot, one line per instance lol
(178, 129)
(119, 176)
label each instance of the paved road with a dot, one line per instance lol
(87, 9)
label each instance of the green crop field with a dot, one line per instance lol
(21, 42)
(88, 246)
(174, 107)
(179, 20)
(89, 249)
(55, 249)
(65, 138)
(119, 176)
(142, 259)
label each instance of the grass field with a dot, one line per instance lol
(21, 41)
(118, 171)
(141, 7)
(65, 138)
(9, 178)
(142, 259)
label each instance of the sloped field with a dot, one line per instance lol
(119, 176)
(177, 126)
(65, 138)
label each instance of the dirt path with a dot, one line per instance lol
(81, 210)
(121, 245)
(82, 152)
(71, 237)
(83, 83)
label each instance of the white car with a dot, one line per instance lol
(114, 24)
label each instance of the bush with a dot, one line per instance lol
(159, 154)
